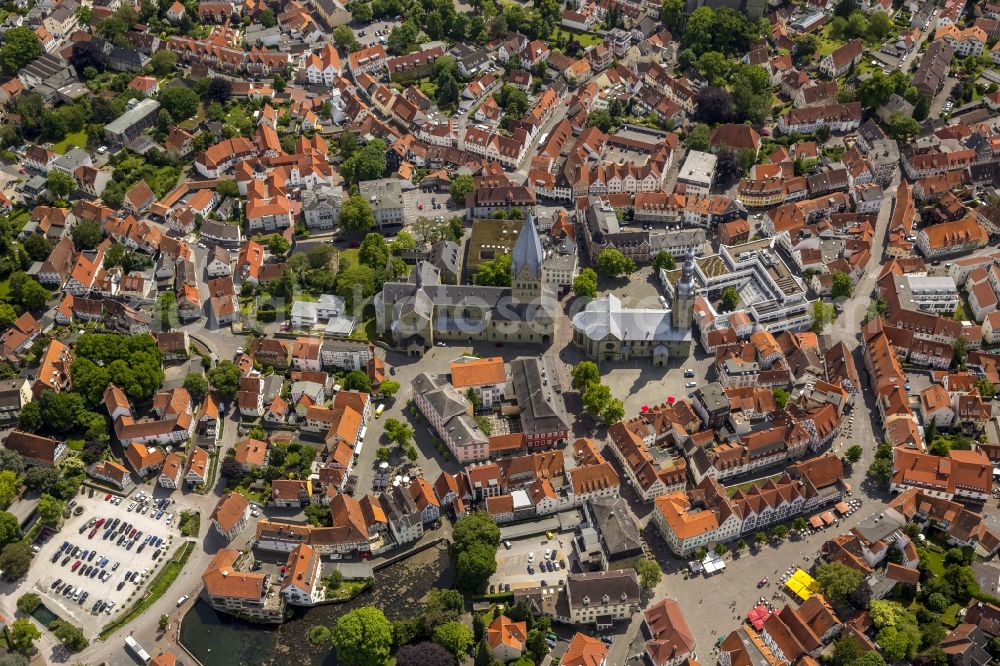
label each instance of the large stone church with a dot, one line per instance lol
(606, 331)
(421, 311)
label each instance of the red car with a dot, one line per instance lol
(99, 523)
(76, 565)
(107, 498)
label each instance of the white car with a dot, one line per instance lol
(531, 556)
(690, 384)
(131, 506)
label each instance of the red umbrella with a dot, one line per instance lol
(645, 408)
(671, 399)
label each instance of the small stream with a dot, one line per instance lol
(222, 640)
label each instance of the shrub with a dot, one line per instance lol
(319, 635)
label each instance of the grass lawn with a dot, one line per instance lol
(428, 88)
(345, 589)
(949, 617)
(584, 38)
(4, 288)
(935, 561)
(18, 219)
(349, 257)
(827, 44)
(75, 444)
(78, 139)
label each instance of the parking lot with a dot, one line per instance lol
(375, 32)
(89, 562)
(513, 564)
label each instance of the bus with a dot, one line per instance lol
(379, 410)
(132, 646)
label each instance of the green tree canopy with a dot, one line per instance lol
(842, 286)
(613, 263)
(180, 102)
(585, 374)
(838, 581)
(356, 215)
(363, 637)
(461, 185)
(494, 272)
(454, 637)
(665, 261)
(20, 46)
(585, 284)
(225, 378)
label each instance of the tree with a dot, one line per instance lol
(902, 127)
(879, 26)
(730, 299)
(697, 138)
(9, 483)
(760, 538)
(461, 185)
(164, 623)
(10, 528)
(180, 102)
(843, 286)
(585, 284)
(613, 263)
(595, 399)
(799, 524)
(344, 38)
(880, 471)
(664, 261)
(374, 251)
(728, 167)
(986, 388)
(28, 602)
(780, 397)
(494, 272)
(196, 384)
(88, 56)
(895, 644)
(779, 532)
(959, 351)
(70, 636)
(225, 378)
(388, 388)
(86, 234)
(219, 90)
(713, 66)
(278, 245)
(838, 581)
(20, 46)
(366, 164)
(805, 47)
(649, 572)
(163, 62)
(854, 453)
(397, 432)
(15, 559)
(845, 651)
(513, 101)
(454, 637)
(30, 418)
(672, 14)
(613, 412)
(23, 634)
(383, 453)
(474, 566)
(60, 184)
(31, 295)
(585, 374)
(356, 215)
(473, 528)
(38, 246)
(424, 654)
(267, 18)
(49, 510)
(357, 380)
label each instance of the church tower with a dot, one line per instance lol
(684, 293)
(526, 264)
